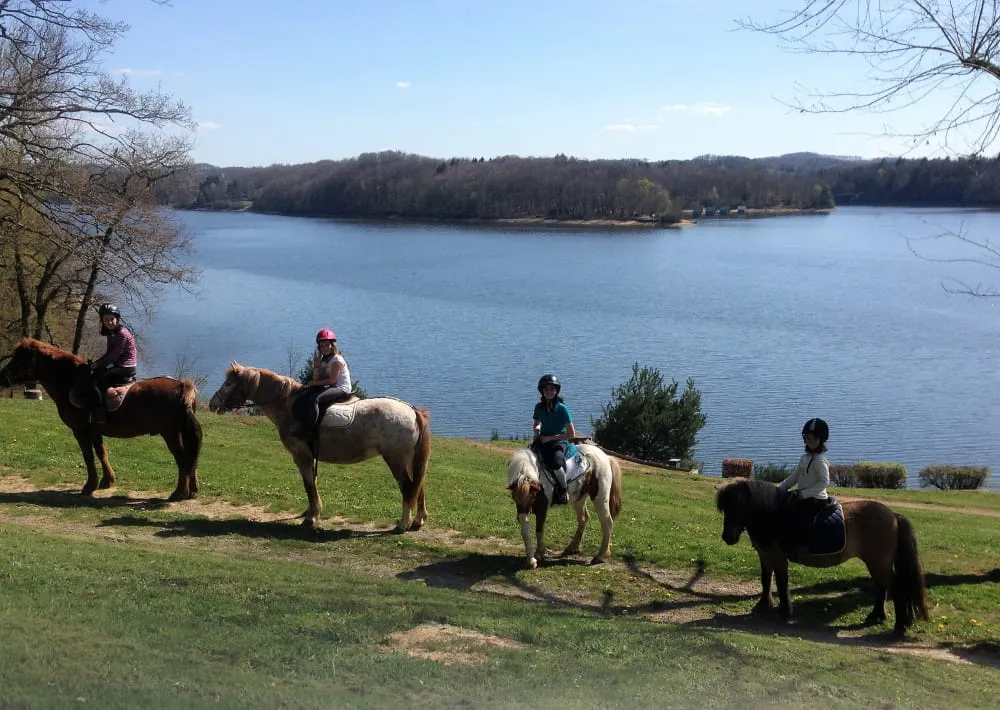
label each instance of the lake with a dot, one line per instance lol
(777, 320)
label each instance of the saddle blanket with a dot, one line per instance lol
(576, 467)
(339, 415)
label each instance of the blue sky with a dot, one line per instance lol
(308, 80)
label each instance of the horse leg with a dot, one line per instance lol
(882, 576)
(781, 578)
(83, 438)
(540, 534)
(402, 477)
(310, 517)
(421, 511)
(524, 520)
(607, 524)
(108, 479)
(763, 604)
(183, 490)
(582, 518)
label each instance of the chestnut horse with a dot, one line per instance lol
(883, 540)
(160, 405)
(385, 426)
(531, 493)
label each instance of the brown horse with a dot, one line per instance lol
(161, 405)
(385, 426)
(883, 540)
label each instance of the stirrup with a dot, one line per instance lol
(560, 496)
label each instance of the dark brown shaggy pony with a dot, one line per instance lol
(883, 540)
(161, 405)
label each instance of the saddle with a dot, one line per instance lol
(827, 535)
(114, 396)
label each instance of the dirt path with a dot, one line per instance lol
(690, 599)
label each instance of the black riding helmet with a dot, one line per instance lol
(818, 428)
(109, 309)
(549, 380)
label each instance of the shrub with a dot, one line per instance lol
(953, 478)
(843, 475)
(647, 419)
(877, 474)
(737, 468)
(773, 472)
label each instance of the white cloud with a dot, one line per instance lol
(138, 72)
(630, 127)
(208, 126)
(703, 108)
(402, 85)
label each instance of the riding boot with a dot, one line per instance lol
(559, 496)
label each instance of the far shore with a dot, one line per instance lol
(687, 221)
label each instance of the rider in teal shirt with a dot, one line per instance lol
(553, 427)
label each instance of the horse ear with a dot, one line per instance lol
(234, 365)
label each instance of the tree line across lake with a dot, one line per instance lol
(402, 185)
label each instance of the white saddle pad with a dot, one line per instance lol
(576, 467)
(339, 416)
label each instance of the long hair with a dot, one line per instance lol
(554, 401)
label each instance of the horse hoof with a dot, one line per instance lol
(176, 496)
(598, 560)
(87, 491)
(532, 563)
(106, 483)
(416, 526)
(309, 523)
(760, 609)
(874, 619)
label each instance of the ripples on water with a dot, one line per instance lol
(777, 320)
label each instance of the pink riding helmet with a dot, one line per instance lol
(325, 334)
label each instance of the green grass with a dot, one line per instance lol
(225, 611)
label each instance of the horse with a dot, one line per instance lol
(882, 539)
(159, 405)
(385, 426)
(532, 492)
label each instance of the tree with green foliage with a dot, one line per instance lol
(646, 418)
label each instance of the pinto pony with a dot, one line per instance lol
(385, 426)
(532, 492)
(160, 405)
(883, 540)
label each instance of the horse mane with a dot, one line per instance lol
(278, 387)
(522, 468)
(757, 497)
(49, 351)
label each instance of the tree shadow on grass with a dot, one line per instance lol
(273, 529)
(74, 499)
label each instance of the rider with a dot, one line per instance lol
(330, 382)
(812, 474)
(115, 367)
(553, 428)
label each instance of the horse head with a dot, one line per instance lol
(734, 502)
(22, 365)
(232, 393)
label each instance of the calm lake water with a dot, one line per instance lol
(777, 320)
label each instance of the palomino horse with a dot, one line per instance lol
(883, 540)
(394, 429)
(603, 483)
(160, 405)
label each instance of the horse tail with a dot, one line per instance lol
(909, 592)
(190, 429)
(615, 502)
(422, 452)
